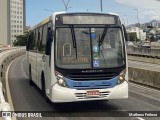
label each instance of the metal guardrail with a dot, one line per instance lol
(6, 57)
(143, 52)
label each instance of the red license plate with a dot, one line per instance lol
(92, 93)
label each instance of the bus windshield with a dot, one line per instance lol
(88, 54)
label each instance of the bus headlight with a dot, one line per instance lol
(121, 77)
(60, 80)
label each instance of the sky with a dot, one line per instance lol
(37, 10)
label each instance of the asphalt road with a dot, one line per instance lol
(29, 98)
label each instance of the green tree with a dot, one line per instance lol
(21, 40)
(132, 36)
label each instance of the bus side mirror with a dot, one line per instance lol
(49, 41)
(125, 33)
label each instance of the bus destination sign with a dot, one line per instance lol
(89, 19)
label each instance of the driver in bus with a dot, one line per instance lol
(106, 45)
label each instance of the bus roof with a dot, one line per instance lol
(46, 20)
(42, 22)
(62, 12)
(55, 13)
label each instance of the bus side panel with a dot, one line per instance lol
(43, 68)
(32, 62)
(124, 41)
(40, 68)
(26, 66)
(47, 73)
(126, 76)
(53, 77)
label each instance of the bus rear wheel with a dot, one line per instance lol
(44, 90)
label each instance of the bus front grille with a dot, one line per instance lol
(91, 87)
(78, 77)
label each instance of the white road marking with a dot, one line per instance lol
(8, 89)
(139, 118)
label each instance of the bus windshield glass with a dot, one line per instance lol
(88, 54)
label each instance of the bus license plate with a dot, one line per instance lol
(93, 93)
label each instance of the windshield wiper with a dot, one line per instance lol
(74, 40)
(100, 41)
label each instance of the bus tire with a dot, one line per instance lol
(44, 89)
(31, 83)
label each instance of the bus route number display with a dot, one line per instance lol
(74, 60)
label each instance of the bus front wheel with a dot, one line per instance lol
(44, 89)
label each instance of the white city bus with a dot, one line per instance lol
(78, 57)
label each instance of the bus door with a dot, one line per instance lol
(40, 53)
(49, 40)
(28, 47)
(33, 56)
(42, 58)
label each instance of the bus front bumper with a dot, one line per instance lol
(61, 94)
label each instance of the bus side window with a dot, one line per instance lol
(30, 40)
(43, 42)
(40, 46)
(50, 25)
(35, 40)
(49, 40)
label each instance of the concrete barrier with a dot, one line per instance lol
(143, 52)
(145, 77)
(5, 58)
(8, 48)
(155, 45)
(144, 59)
(140, 75)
